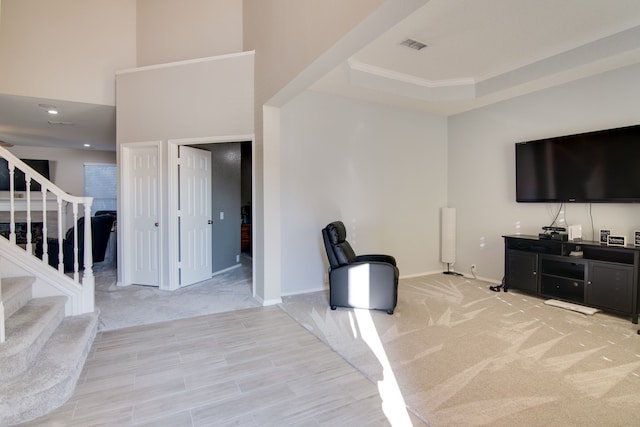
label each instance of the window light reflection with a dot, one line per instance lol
(359, 286)
(393, 404)
(352, 323)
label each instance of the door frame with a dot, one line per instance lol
(125, 215)
(173, 241)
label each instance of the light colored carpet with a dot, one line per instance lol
(125, 306)
(463, 355)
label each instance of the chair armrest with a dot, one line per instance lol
(376, 272)
(376, 258)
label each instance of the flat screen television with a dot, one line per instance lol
(593, 167)
(40, 166)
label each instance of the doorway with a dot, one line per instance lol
(231, 189)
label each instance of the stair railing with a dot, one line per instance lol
(51, 199)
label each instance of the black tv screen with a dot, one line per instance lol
(40, 166)
(593, 167)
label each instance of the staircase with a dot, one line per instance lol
(43, 353)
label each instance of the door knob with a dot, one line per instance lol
(209, 222)
(155, 224)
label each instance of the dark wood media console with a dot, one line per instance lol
(604, 277)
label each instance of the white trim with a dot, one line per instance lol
(253, 215)
(57, 283)
(465, 275)
(325, 288)
(172, 215)
(212, 139)
(482, 279)
(406, 78)
(264, 303)
(185, 62)
(426, 273)
(224, 270)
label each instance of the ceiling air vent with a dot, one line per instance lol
(55, 122)
(413, 44)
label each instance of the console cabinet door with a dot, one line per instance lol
(522, 271)
(610, 286)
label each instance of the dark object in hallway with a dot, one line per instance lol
(364, 281)
(100, 233)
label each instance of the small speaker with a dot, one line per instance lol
(448, 235)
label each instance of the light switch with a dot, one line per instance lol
(221, 215)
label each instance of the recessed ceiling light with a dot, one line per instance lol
(413, 44)
(87, 145)
(52, 111)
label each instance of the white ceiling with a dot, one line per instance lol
(25, 121)
(484, 51)
(479, 52)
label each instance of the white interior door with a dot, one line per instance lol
(143, 205)
(195, 215)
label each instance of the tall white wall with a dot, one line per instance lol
(482, 164)
(381, 170)
(175, 30)
(190, 99)
(66, 49)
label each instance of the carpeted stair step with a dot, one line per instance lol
(16, 292)
(27, 331)
(51, 381)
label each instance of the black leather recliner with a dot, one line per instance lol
(100, 232)
(364, 281)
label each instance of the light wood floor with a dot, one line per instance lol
(254, 367)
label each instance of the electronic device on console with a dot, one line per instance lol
(554, 233)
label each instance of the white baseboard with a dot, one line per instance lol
(426, 273)
(307, 291)
(224, 270)
(265, 303)
(484, 279)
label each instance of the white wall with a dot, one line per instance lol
(175, 30)
(298, 42)
(66, 49)
(190, 99)
(66, 166)
(381, 170)
(482, 164)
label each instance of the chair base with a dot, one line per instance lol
(389, 311)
